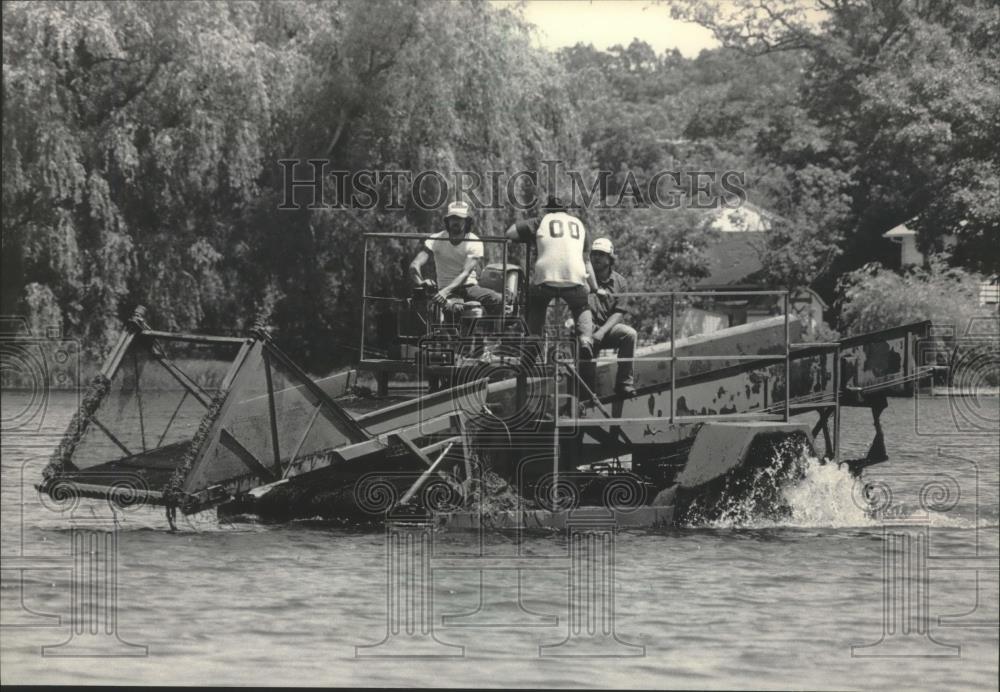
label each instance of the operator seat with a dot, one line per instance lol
(509, 281)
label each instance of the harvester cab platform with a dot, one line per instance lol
(419, 339)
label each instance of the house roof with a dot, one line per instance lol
(900, 231)
(733, 260)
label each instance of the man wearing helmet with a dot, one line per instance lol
(562, 269)
(609, 311)
(457, 253)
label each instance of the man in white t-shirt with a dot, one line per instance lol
(457, 254)
(562, 269)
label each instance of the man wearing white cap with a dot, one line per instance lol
(457, 254)
(609, 311)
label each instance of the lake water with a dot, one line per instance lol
(733, 605)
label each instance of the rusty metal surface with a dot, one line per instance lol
(652, 367)
(883, 361)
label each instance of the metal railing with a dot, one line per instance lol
(783, 295)
(421, 237)
(674, 358)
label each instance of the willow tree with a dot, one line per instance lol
(434, 86)
(133, 136)
(141, 147)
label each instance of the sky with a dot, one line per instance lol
(607, 22)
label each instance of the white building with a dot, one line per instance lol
(907, 240)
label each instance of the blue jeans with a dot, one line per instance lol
(488, 298)
(621, 337)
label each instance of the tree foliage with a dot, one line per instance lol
(873, 298)
(141, 143)
(897, 106)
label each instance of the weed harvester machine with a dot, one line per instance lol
(472, 420)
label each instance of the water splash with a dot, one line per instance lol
(752, 495)
(210, 522)
(825, 495)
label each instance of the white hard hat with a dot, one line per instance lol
(603, 245)
(458, 209)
